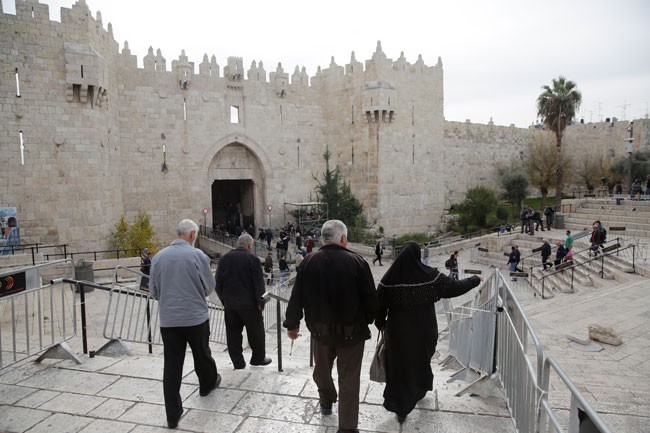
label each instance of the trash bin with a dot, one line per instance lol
(558, 221)
(83, 271)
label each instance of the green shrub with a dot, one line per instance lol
(134, 237)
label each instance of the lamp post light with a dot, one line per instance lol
(628, 148)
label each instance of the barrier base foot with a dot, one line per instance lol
(60, 351)
(450, 362)
(114, 348)
(485, 386)
(466, 375)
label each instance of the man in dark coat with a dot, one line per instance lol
(546, 253)
(240, 286)
(268, 268)
(335, 289)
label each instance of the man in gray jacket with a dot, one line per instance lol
(181, 280)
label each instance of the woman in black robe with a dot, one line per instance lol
(407, 315)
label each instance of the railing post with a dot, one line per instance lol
(149, 327)
(602, 266)
(65, 251)
(82, 300)
(279, 328)
(33, 257)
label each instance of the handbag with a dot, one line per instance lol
(378, 365)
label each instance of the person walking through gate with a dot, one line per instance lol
(407, 314)
(240, 286)
(181, 279)
(336, 291)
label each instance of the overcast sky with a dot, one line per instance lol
(496, 54)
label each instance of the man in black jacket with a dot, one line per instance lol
(240, 286)
(336, 290)
(546, 253)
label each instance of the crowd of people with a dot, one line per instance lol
(564, 250)
(334, 293)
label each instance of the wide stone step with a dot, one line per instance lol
(586, 222)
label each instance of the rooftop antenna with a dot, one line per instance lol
(624, 106)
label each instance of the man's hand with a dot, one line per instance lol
(293, 333)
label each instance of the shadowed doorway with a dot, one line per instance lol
(233, 204)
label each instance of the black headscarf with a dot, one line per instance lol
(408, 268)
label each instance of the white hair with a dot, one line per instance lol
(333, 231)
(186, 226)
(244, 240)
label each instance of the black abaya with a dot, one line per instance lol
(407, 314)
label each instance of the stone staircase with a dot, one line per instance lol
(627, 224)
(633, 215)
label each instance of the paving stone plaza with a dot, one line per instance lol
(124, 393)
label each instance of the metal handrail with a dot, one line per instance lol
(538, 265)
(577, 404)
(260, 249)
(601, 256)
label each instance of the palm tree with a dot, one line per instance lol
(556, 107)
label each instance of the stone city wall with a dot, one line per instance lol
(103, 138)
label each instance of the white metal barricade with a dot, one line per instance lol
(36, 317)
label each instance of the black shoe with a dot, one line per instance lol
(240, 366)
(265, 361)
(401, 419)
(172, 423)
(214, 386)
(325, 407)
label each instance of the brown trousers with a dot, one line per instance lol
(348, 365)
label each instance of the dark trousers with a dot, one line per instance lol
(175, 341)
(253, 320)
(348, 364)
(546, 263)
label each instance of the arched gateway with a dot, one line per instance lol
(237, 172)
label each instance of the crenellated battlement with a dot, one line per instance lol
(78, 26)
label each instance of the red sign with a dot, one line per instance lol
(10, 284)
(205, 211)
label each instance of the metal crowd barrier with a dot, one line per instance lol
(521, 368)
(582, 417)
(132, 315)
(471, 334)
(36, 318)
(519, 356)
